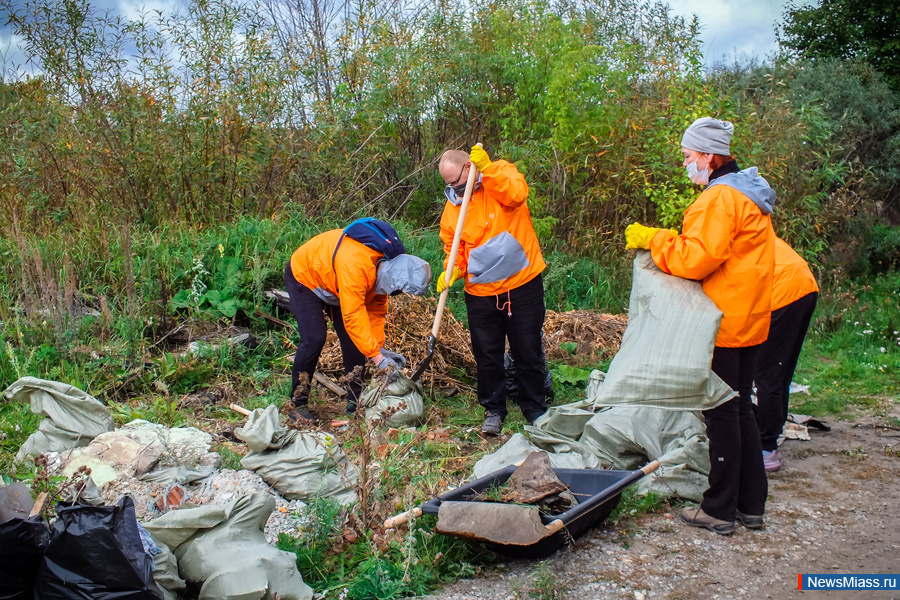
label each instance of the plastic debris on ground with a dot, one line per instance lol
(96, 552)
(23, 540)
(797, 427)
(144, 450)
(197, 476)
(797, 388)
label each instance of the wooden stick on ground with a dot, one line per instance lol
(325, 381)
(239, 409)
(39, 505)
(272, 319)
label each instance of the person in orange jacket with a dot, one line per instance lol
(350, 287)
(794, 296)
(728, 244)
(501, 262)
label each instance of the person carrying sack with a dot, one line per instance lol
(728, 244)
(347, 275)
(501, 262)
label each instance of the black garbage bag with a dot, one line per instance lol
(95, 552)
(512, 386)
(22, 544)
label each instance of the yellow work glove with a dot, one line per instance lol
(638, 236)
(442, 280)
(480, 158)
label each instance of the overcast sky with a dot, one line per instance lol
(731, 29)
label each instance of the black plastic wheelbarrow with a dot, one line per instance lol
(522, 531)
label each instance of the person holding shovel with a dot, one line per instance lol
(728, 244)
(336, 276)
(501, 262)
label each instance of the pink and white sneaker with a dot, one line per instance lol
(772, 459)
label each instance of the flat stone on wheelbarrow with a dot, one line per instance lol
(507, 524)
(533, 481)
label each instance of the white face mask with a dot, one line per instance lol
(698, 177)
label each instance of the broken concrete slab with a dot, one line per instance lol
(533, 481)
(141, 448)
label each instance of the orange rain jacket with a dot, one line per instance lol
(792, 279)
(728, 244)
(498, 249)
(350, 284)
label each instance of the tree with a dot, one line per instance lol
(846, 29)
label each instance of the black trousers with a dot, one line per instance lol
(775, 366)
(310, 312)
(517, 316)
(737, 478)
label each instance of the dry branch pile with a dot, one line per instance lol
(597, 336)
(409, 322)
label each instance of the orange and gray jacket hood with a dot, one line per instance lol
(753, 185)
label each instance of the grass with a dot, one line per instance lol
(376, 566)
(633, 505)
(851, 362)
(544, 584)
(851, 358)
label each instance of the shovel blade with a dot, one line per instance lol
(508, 524)
(432, 342)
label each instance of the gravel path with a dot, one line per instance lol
(833, 508)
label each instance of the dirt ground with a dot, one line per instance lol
(834, 507)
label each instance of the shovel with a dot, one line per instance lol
(451, 261)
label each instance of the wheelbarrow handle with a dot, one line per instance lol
(650, 467)
(554, 526)
(403, 517)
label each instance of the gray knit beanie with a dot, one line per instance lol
(709, 135)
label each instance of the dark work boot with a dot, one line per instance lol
(300, 415)
(751, 521)
(492, 425)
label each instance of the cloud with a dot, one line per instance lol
(134, 9)
(12, 60)
(734, 29)
(731, 29)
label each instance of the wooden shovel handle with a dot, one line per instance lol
(403, 518)
(454, 248)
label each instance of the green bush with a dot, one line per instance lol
(878, 254)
